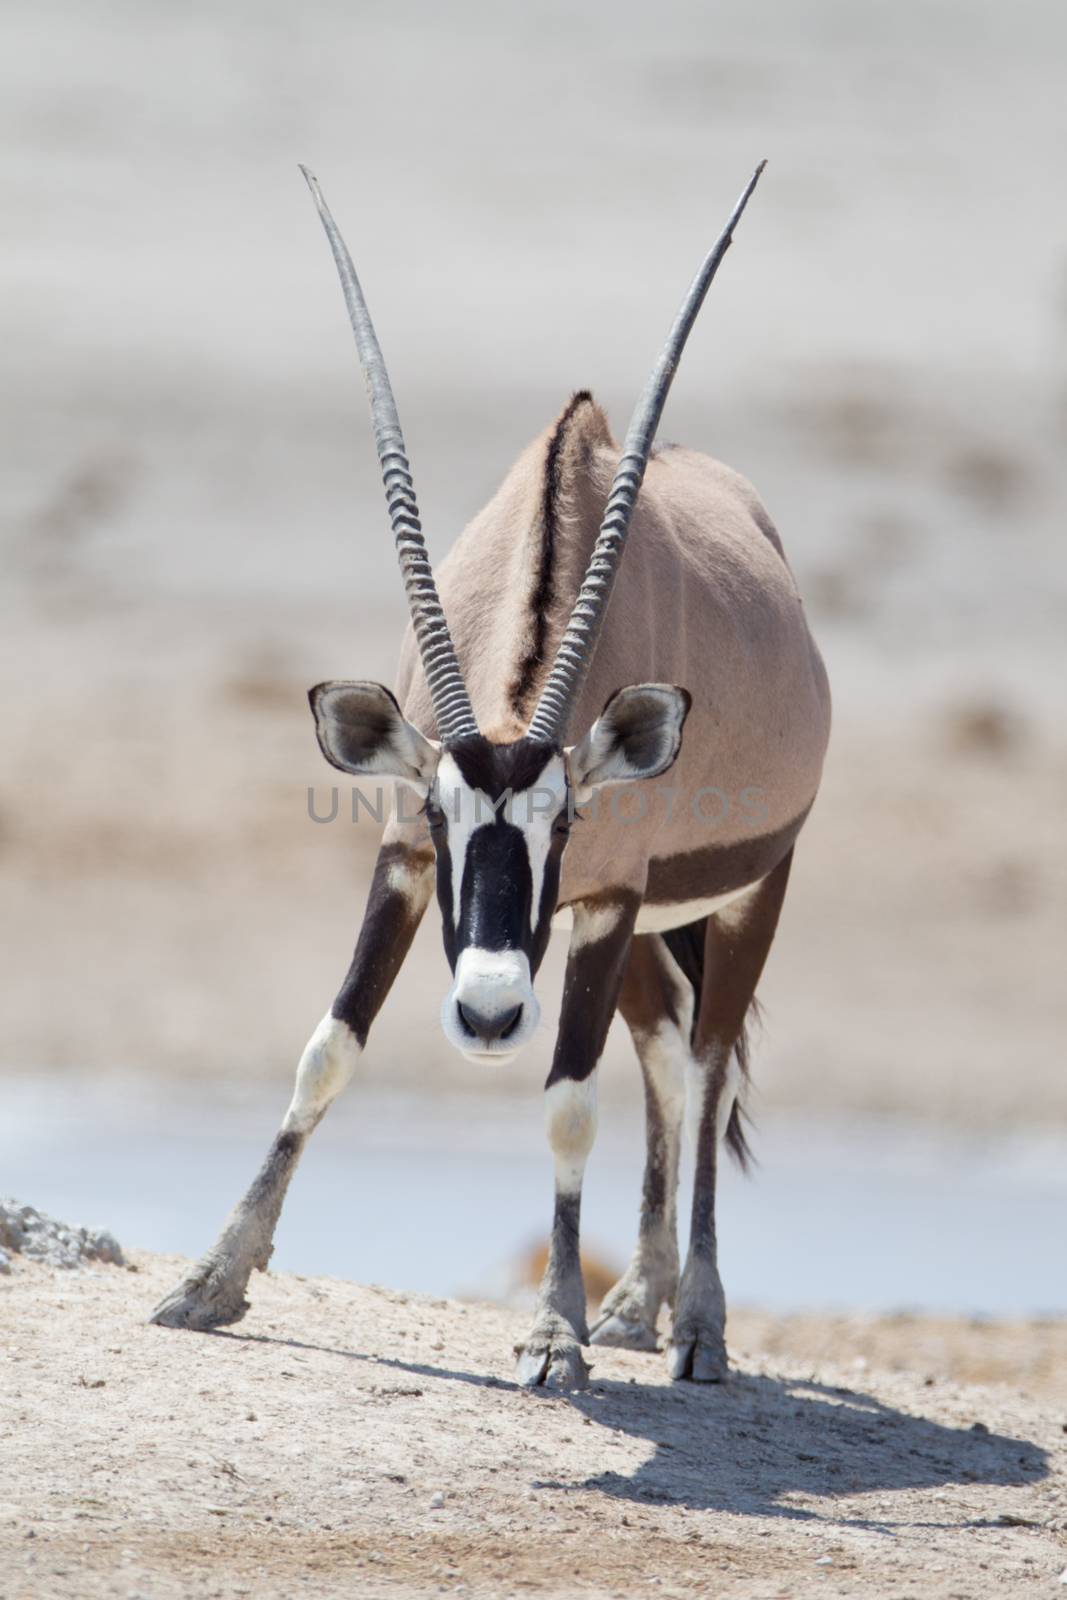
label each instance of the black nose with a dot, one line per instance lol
(500, 1026)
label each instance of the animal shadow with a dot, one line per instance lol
(754, 1443)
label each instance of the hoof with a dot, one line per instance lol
(552, 1364)
(203, 1300)
(700, 1359)
(622, 1334)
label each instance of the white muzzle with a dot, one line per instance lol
(491, 1009)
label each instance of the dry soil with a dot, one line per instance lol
(358, 1441)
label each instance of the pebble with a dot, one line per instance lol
(437, 1500)
(824, 1561)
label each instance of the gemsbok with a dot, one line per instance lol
(564, 670)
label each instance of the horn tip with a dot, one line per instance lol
(309, 177)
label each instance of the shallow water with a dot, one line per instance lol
(442, 1195)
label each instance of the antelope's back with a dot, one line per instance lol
(704, 598)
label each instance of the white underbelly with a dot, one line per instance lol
(656, 918)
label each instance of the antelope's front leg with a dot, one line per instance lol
(551, 1354)
(213, 1292)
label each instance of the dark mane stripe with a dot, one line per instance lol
(542, 594)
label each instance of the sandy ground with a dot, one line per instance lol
(348, 1440)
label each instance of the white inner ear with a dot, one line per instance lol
(589, 759)
(420, 755)
(600, 758)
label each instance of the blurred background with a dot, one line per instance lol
(194, 533)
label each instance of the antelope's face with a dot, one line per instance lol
(499, 816)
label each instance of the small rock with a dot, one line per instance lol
(824, 1561)
(437, 1501)
(31, 1233)
(979, 1427)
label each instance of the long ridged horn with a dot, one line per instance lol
(451, 702)
(564, 682)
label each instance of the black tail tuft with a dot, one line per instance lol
(736, 1138)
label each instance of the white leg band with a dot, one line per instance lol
(326, 1066)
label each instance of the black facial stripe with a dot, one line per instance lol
(496, 890)
(496, 768)
(444, 898)
(549, 895)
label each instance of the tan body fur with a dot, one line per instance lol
(704, 598)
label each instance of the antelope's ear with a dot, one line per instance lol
(362, 730)
(637, 735)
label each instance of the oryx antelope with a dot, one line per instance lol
(508, 719)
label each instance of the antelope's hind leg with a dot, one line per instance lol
(213, 1293)
(656, 1001)
(735, 948)
(550, 1356)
